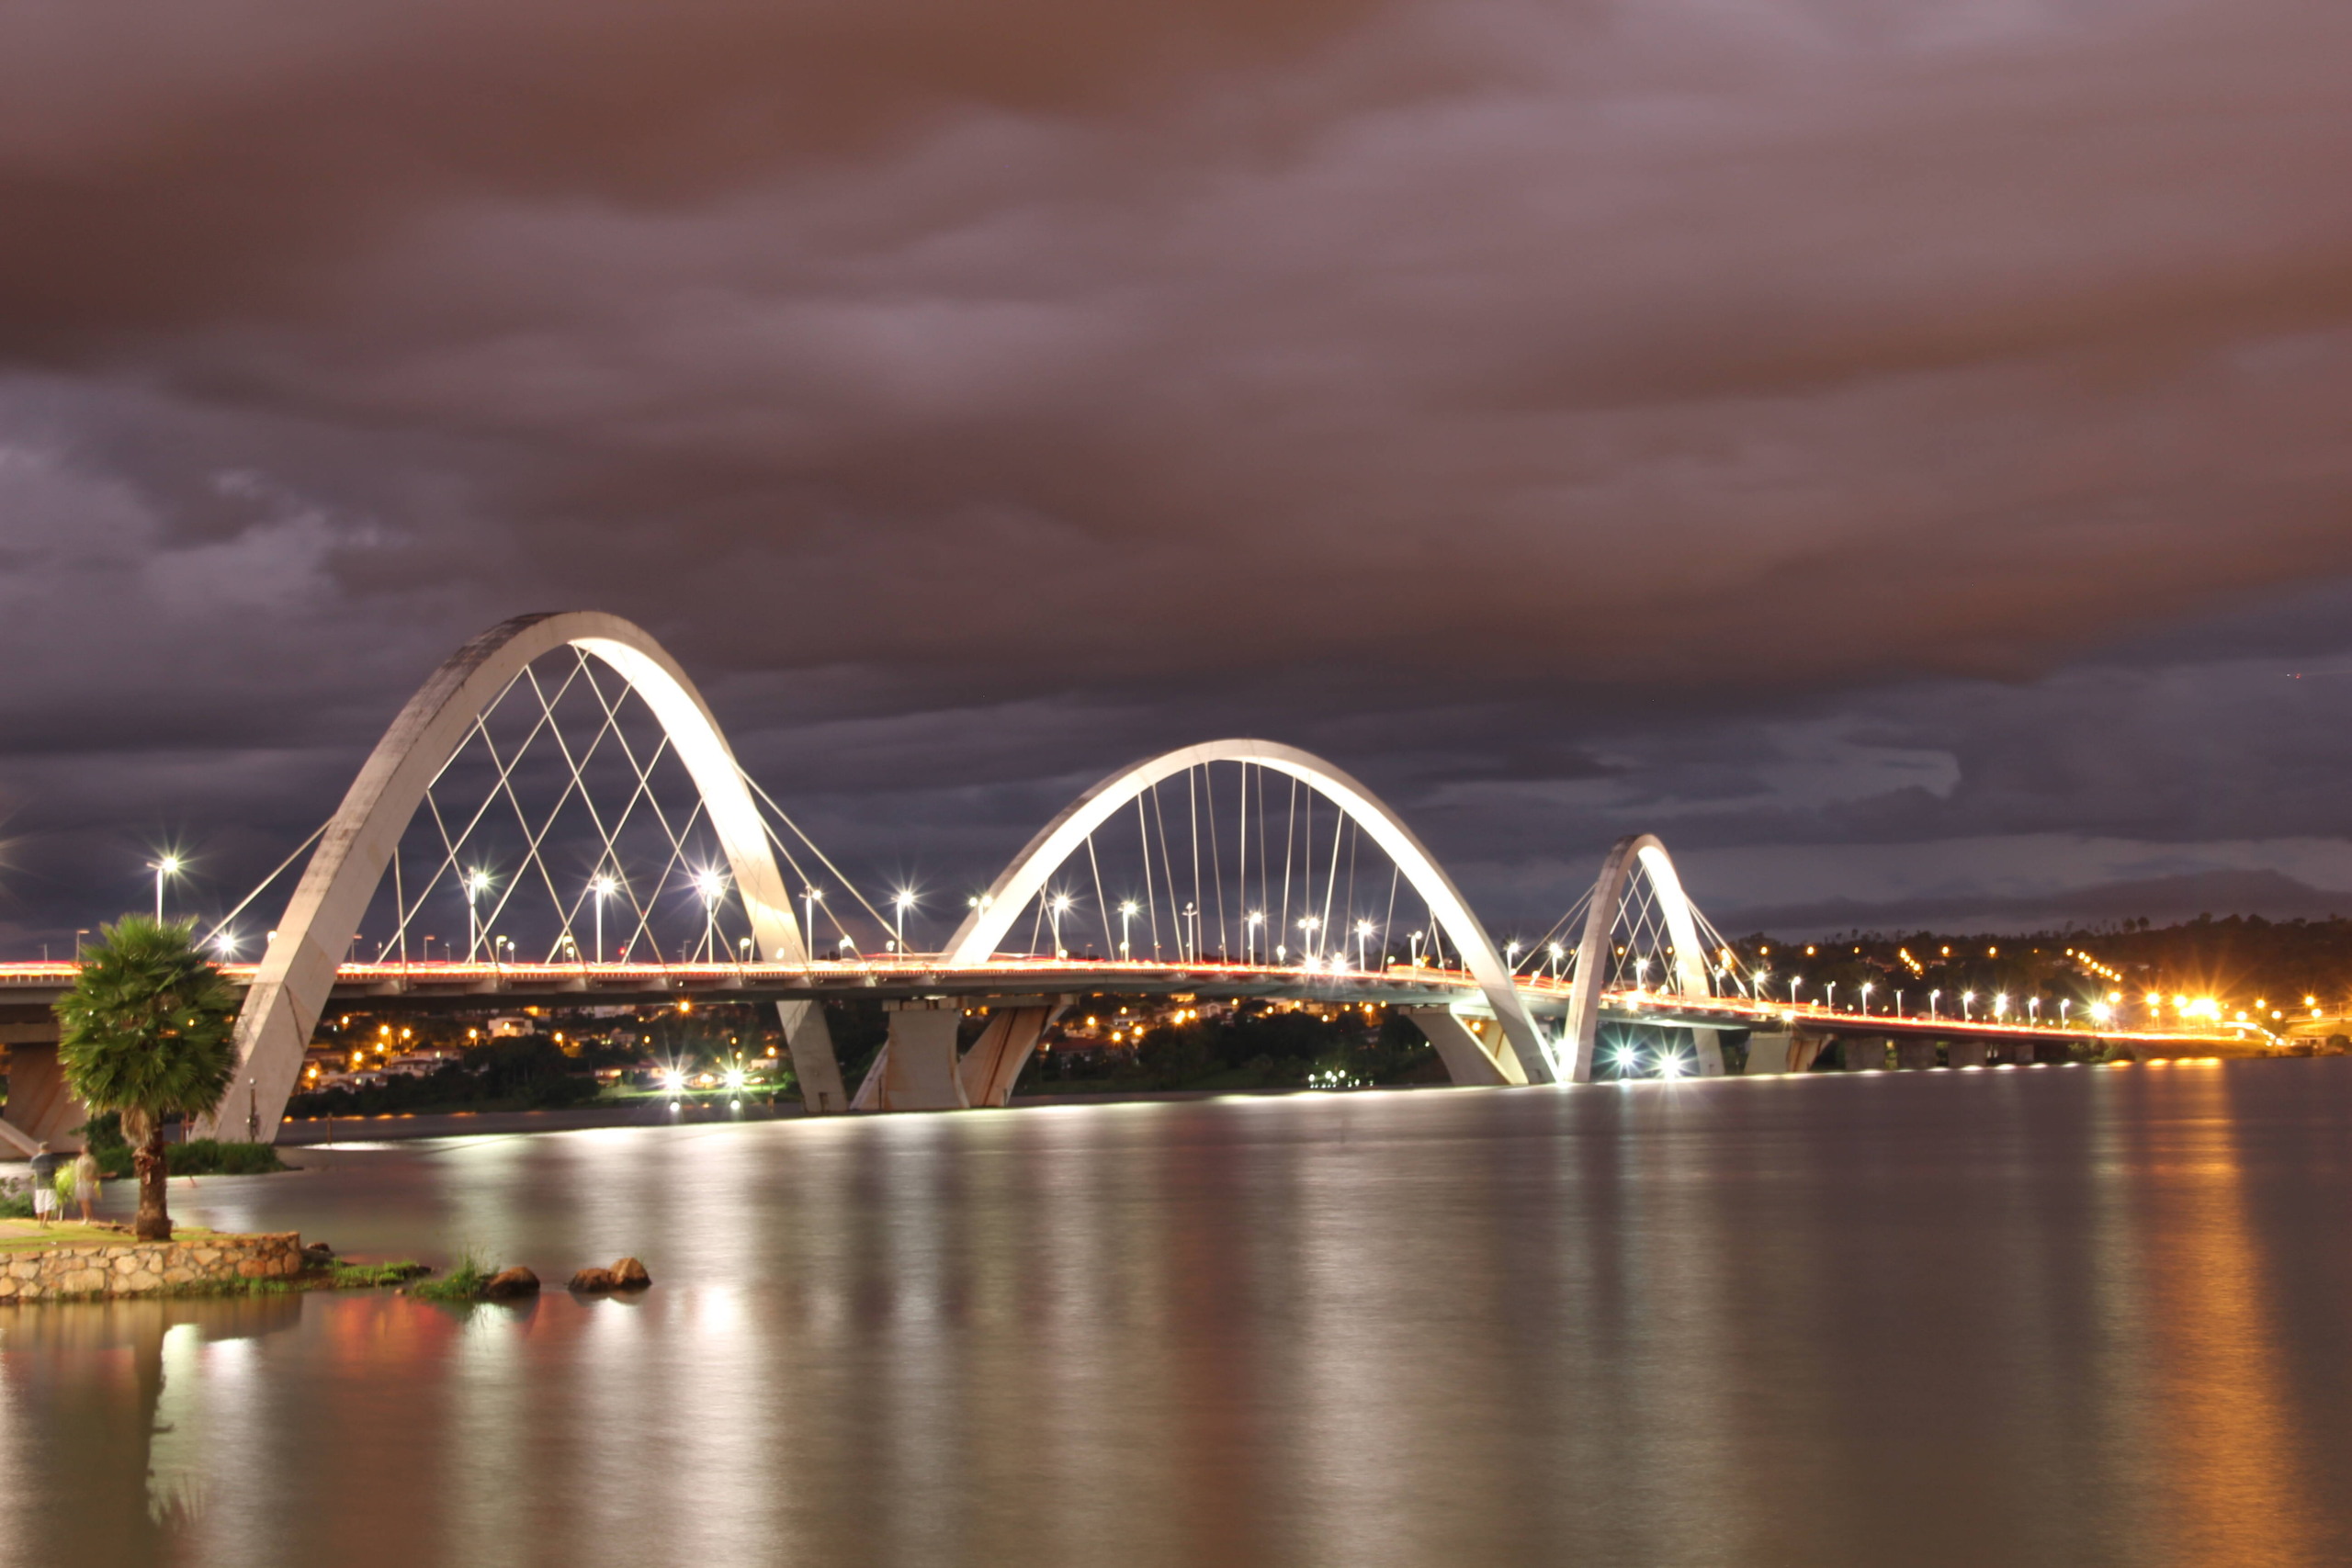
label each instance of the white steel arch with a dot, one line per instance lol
(1688, 976)
(976, 940)
(291, 985)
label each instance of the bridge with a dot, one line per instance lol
(561, 776)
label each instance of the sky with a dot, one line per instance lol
(1901, 454)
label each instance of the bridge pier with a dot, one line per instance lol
(1710, 1046)
(41, 1109)
(1863, 1052)
(1770, 1054)
(1914, 1055)
(917, 1068)
(993, 1064)
(2021, 1052)
(1964, 1053)
(1466, 1056)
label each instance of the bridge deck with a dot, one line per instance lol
(455, 985)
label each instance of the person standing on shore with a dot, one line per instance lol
(85, 1182)
(44, 1166)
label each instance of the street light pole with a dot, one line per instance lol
(167, 866)
(1127, 915)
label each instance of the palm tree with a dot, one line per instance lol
(146, 1031)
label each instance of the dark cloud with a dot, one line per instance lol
(1841, 427)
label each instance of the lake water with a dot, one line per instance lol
(2061, 1315)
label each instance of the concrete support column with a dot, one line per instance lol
(1805, 1050)
(2022, 1052)
(993, 1064)
(1769, 1053)
(1465, 1055)
(1863, 1052)
(1964, 1053)
(1710, 1045)
(41, 1107)
(917, 1069)
(1914, 1055)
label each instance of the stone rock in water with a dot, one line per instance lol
(508, 1282)
(593, 1279)
(628, 1274)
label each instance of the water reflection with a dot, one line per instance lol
(2067, 1317)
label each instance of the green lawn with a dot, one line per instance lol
(24, 1235)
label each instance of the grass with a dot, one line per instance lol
(464, 1282)
(23, 1236)
(342, 1276)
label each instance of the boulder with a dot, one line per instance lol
(628, 1274)
(508, 1283)
(593, 1279)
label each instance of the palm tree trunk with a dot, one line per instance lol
(145, 1133)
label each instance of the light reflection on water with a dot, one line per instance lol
(2078, 1319)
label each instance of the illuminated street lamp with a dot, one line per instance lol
(1559, 953)
(1057, 909)
(2001, 1004)
(166, 867)
(1415, 938)
(1829, 996)
(899, 905)
(1932, 997)
(1249, 924)
(1127, 911)
(810, 897)
(1868, 987)
(709, 883)
(1363, 935)
(602, 886)
(1310, 926)
(477, 883)
(1967, 1001)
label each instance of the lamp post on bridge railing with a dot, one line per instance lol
(1127, 910)
(1363, 936)
(477, 883)
(1055, 909)
(810, 897)
(899, 905)
(602, 885)
(1249, 924)
(709, 884)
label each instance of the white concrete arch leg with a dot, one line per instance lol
(1645, 852)
(291, 986)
